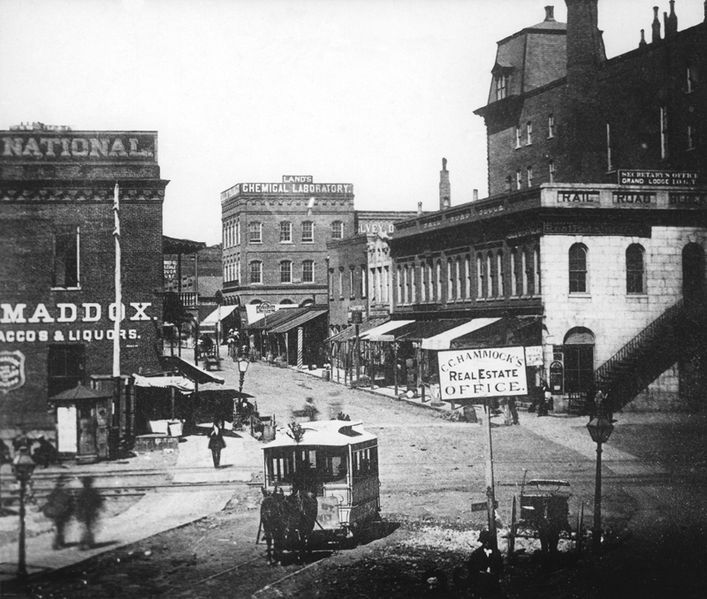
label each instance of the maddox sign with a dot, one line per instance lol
(486, 372)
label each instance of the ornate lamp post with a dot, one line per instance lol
(243, 363)
(599, 428)
(22, 467)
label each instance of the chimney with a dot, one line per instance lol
(419, 209)
(655, 26)
(585, 48)
(475, 194)
(444, 188)
(671, 22)
(549, 13)
(643, 39)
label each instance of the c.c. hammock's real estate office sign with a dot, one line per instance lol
(485, 372)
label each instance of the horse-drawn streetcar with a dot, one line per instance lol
(334, 461)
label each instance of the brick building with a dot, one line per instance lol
(57, 306)
(592, 241)
(275, 237)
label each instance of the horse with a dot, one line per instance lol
(287, 521)
(272, 523)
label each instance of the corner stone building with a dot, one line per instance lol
(57, 292)
(596, 222)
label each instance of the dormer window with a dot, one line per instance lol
(501, 86)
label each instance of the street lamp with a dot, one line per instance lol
(243, 363)
(22, 467)
(599, 428)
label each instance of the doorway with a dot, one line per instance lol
(693, 272)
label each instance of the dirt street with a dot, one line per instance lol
(430, 470)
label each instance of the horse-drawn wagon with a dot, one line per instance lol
(334, 461)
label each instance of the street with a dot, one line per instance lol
(431, 469)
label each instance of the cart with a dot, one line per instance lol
(544, 513)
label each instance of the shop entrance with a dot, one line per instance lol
(578, 350)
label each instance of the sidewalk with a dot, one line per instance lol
(158, 510)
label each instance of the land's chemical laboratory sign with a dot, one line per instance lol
(480, 373)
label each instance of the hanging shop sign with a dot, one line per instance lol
(12, 370)
(480, 373)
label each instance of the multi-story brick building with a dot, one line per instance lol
(57, 310)
(275, 237)
(592, 242)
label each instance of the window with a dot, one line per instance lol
(536, 269)
(66, 365)
(550, 126)
(308, 271)
(337, 230)
(308, 231)
(467, 271)
(529, 133)
(689, 79)
(501, 86)
(399, 284)
(609, 158)
(635, 269)
(499, 273)
(519, 179)
(529, 176)
(286, 271)
(450, 280)
(516, 273)
(458, 272)
(439, 281)
(285, 232)
(528, 271)
(413, 289)
(364, 280)
(341, 282)
(690, 137)
(578, 268)
(352, 282)
(551, 171)
(255, 232)
(518, 136)
(66, 258)
(489, 275)
(479, 276)
(663, 132)
(256, 271)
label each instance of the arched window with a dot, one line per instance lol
(489, 275)
(255, 232)
(458, 271)
(286, 271)
(499, 274)
(256, 271)
(337, 230)
(479, 276)
(578, 268)
(285, 231)
(635, 270)
(450, 280)
(439, 281)
(467, 270)
(308, 271)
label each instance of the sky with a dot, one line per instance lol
(369, 92)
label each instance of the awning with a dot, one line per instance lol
(180, 383)
(276, 318)
(297, 321)
(509, 330)
(193, 373)
(350, 332)
(381, 333)
(424, 329)
(213, 318)
(443, 340)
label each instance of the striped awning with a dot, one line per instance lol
(444, 340)
(383, 332)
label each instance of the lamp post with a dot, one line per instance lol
(22, 467)
(243, 363)
(599, 428)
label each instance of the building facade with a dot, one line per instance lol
(275, 237)
(57, 225)
(596, 223)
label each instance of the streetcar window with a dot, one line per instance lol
(365, 461)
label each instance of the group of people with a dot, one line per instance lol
(62, 505)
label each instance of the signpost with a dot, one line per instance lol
(482, 374)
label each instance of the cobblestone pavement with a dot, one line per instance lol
(431, 468)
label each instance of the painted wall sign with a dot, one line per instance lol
(12, 370)
(577, 197)
(479, 373)
(658, 178)
(287, 188)
(297, 179)
(376, 227)
(633, 198)
(687, 200)
(68, 312)
(48, 146)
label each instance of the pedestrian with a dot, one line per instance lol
(46, 453)
(601, 405)
(544, 399)
(485, 568)
(59, 509)
(88, 505)
(216, 442)
(309, 409)
(513, 409)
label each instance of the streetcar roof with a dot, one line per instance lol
(332, 433)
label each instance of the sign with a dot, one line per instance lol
(287, 188)
(577, 197)
(480, 373)
(52, 146)
(658, 178)
(557, 385)
(534, 355)
(639, 199)
(265, 308)
(297, 179)
(12, 370)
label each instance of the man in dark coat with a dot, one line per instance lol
(88, 506)
(485, 568)
(59, 508)
(216, 443)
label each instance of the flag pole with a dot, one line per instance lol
(118, 289)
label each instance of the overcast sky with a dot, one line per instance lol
(369, 92)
